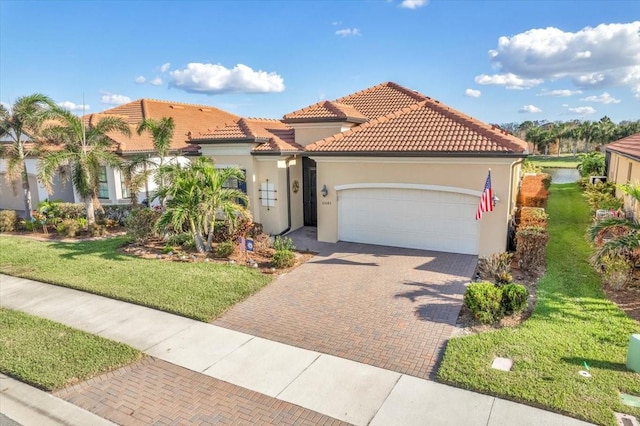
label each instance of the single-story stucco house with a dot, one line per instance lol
(386, 165)
(622, 158)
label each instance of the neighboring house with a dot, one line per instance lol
(386, 165)
(623, 166)
(188, 118)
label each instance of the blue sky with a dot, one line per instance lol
(499, 61)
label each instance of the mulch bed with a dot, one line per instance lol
(627, 298)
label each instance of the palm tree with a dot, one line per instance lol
(85, 149)
(196, 195)
(162, 134)
(135, 174)
(22, 123)
(604, 130)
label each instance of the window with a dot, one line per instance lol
(123, 188)
(103, 185)
(234, 183)
(629, 169)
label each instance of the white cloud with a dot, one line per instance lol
(165, 67)
(565, 105)
(336, 23)
(472, 93)
(140, 80)
(156, 81)
(530, 109)
(215, 78)
(605, 98)
(509, 80)
(114, 99)
(71, 106)
(586, 110)
(347, 32)
(559, 93)
(413, 4)
(604, 56)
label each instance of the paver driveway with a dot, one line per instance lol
(389, 307)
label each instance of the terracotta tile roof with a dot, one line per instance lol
(422, 128)
(629, 146)
(371, 103)
(273, 136)
(326, 111)
(190, 120)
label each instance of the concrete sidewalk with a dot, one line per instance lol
(346, 390)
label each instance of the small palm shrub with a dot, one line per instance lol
(8, 220)
(141, 224)
(183, 239)
(225, 249)
(283, 258)
(530, 167)
(484, 300)
(531, 242)
(514, 298)
(592, 164)
(495, 267)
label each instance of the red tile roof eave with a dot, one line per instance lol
(324, 120)
(279, 152)
(470, 154)
(633, 154)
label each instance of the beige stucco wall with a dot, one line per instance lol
(307, 133)
(469, 174)
(623, 170)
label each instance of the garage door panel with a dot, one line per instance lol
(432, 220)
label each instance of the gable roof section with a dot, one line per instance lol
(272, 136)
(369, 103)
(629, 146)
(326, 111)
(423, 128)
(190, 119)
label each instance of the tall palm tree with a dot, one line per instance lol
(22, 122)
(195, 197)
(604, 131)
(162, 134)
(85, 149)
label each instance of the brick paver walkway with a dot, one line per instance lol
(388, 307)
(155, 392)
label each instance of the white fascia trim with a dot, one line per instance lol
(320, 125)
(417, 186)
(414, 160)
(225, 149)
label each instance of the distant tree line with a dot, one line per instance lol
(571, 136)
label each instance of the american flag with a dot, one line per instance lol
(486, 199)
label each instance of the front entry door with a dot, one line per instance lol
(309, 197)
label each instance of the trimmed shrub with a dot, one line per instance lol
(617, 271)
(484, 300)
(8, 220)
(225, 249)
(66, 210)
(493, 266)
(533, 216)
(283, 259)
(98, 230)
(140, 225)
(533, 191)
(68, 227)
(531, 242)
(113, 213)
(514, 298)
(283, 243)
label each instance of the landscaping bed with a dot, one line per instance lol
(51, 356)
(574, 326)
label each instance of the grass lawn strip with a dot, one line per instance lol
(51, 356)
(552, 161)
(572, 323)
(199, 290)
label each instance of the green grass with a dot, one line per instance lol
(573, 322)
(196, 290)
(51, 356)
(565, 161)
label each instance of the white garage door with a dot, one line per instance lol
(412, 218)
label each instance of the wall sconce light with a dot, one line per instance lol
(495, 200)
(324, 191)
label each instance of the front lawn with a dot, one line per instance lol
(198, 290)
(553, 161)
(573, 323)
(51, 356)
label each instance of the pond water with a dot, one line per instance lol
(562, 175)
